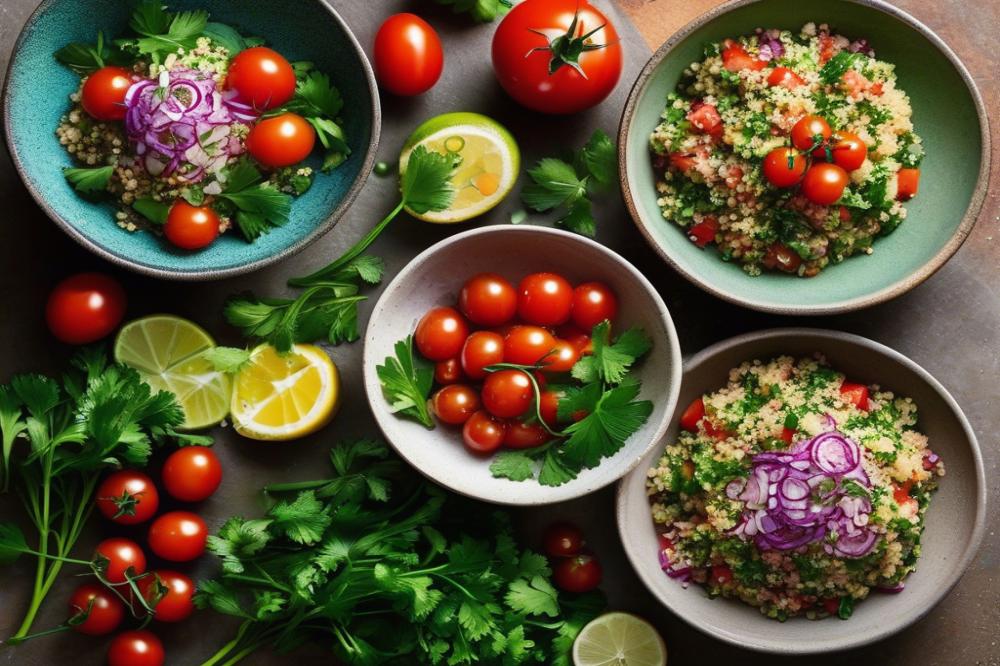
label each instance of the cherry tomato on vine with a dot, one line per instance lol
(103, 95)
(450, 371)
(123, 556)
(178, 536)
(136, 648)
(809, 132)
(282, 140)
(169, 593)
(104, 610)
(454, 404)
(488, 300)
(441, 333)
(483, 433)
(261, 78)
(784, 167)
(192, 473)
(824, 183)
(508, 393)
(127, 497)
(784, 77)
(580, 573)
(557, 56)
(563, 540)
(408, 55)
(545, 299)
(191, 227)
(481, 349)
(520, 435)
(85, 307)
(847, 150)
(563, 357)
(593, 302)
(527, 345)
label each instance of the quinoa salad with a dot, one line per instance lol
(794, 490)
(787, 151)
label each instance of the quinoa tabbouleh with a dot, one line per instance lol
(794, 490)
(787, 151)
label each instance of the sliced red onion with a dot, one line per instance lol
(834, 454)
(861, 46)
(735, 487)
(891, 589)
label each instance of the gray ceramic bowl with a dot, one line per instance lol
(948, 114)
(955, 519)
(434, 278)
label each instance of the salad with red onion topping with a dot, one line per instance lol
(794, 490)
(192, 129)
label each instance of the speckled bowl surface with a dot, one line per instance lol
(955, 519)
(435, 277)
(948, 114)
(36, 96)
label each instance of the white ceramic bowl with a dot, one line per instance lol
(955, 518)
(435, 278)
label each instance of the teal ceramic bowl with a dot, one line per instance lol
(947, 112)
(36, 96)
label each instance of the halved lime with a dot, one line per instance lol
(619, 639)
(489, 168)
(169, 354)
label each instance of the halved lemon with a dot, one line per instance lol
(169, 353)
(285, 396)
(489, 167)
(619, 639)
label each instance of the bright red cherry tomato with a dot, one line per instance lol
(580, 573)
(261, 77)
(736, 58)
(576, 337)
(450, 371)
(593, 302)
(545, 299)
(549, 407)
(784, 77)
(127, 497)
(441, 334)
(488, 300)
(520, 435)
(136, 648)
(824, 183)
(693, 415)
(106, 610)
(847, 150)
(544, 67)
(563, 540)
(84, 308)
(103, 95)
(123, 556)
(508, 393)
(784, 167)
(907, 183)
(483, 433)
(178, 536)
(408, 55)
(454, 404)
(810, 131)
(481, 349)
(191, 227)
(563, 357)
(192, 473)
(282, 140)
(527, 345)
(169, 593)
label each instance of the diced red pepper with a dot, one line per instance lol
(788, 434)
(784, 77)
(721, 574)
(826, 48)
(682, 161)
(831, 606)
(705, 119)
(856, 394)
(907, 183)
(704, 232)
(877, 88)
(736, 58)
(715, 431)
(901, 492)
(693, 415)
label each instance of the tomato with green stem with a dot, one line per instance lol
(455, 404)
(261, 77)
(191, 227)
(483, 433)
(119, 559)
(85, 307)
(408, 55)
(178, 536)
(192, 473)
(784, 167)
(136, 648)
(810, 132)
(127, 497)
(281, 141)
(169, 593)
(845, 149)
(441, 334)
(95, 610)
(481, 350)
(577, 574)
(103, 94)
(488, 300)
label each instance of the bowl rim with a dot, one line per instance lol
(204, 274)
(640, 562)
(898, 288)
(552, 494)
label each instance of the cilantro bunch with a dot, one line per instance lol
(383, 566)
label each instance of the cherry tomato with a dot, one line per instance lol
(563, 540)
(520, 435)
(705, 118)
(169, 593)
(549, 407)
(693, 415)
(721, 574)
(704, 232)
(784, 167)
(178, 536)
(563, 357)
(810, 131)
(782, 257)
(123, 556)
(483, 433)
(136, 648)
(481, 349)
(545, 299)
(441, 334)
(508, 393)
(191, 227)
(455, 404)
(282, 140)
(576, 337)
(106, 610)
(103, 95)
(735, 58)
(847, 150)
(408, 55)
(450, 371)
(261, 77)
(85, 307)
(527, 345)
(784, 77)
(192, 473)
(127, 497)
(544, 67)
(578, 574)
(488, 300)
(907, 183)
(593, 302)
(824, 183)
(856, 394)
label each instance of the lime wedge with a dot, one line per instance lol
(619, 639)
(489, 168)
(169, 353)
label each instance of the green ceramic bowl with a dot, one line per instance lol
(36, 95)
(947, 112)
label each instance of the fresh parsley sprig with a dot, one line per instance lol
(320, 103)
(255, 205)
(406, 383)
(85, 58)
(483, 11)
(162, 32)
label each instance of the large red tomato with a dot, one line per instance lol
(557, 56)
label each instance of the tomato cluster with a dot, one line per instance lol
(573, 568)
(533, 331)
